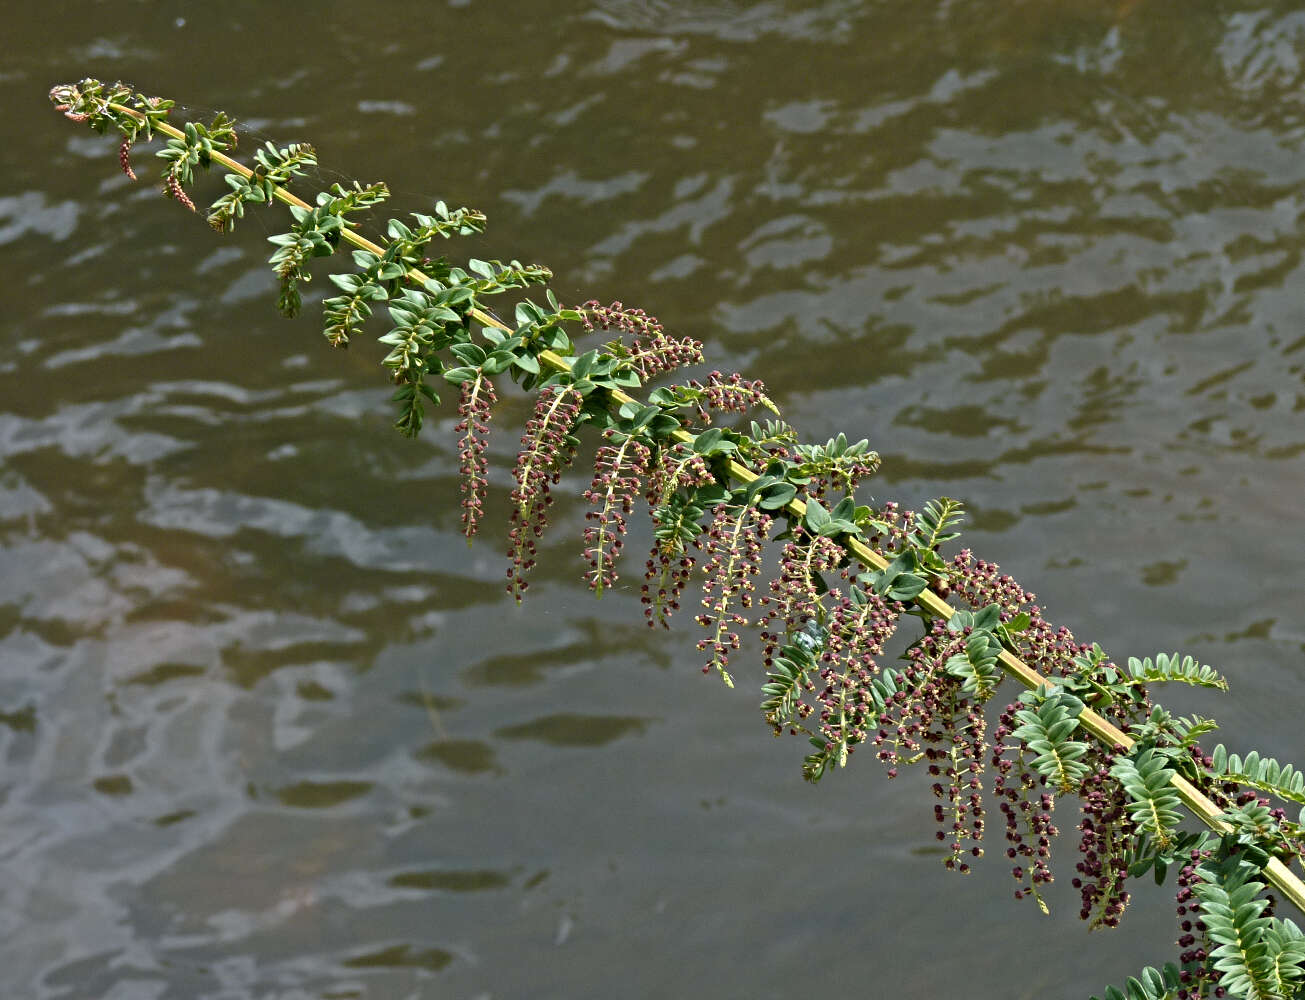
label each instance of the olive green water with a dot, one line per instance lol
(268, 729)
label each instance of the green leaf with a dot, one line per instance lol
(907, 587)
(499, 361)
(1018, 624)
(346, 282)
(988, 617)
(662, 397)
(456, 376)
(583, 366)
(837, 526)
(457, 296)
(468, 354)
(846, 510)
(641, 416)
(705, 442)
(709, 495)
(777, 496)
(816, 516)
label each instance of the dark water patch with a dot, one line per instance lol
(596, 640)
(113, 784)
(1163, 573)
(451, 880)
(963, 420)
(321, 794)
(428, 701)
(19, 720)
(468, 757)
(313, 691)
(163, 672)
(401, 956)
(172, 818)
(568, 729)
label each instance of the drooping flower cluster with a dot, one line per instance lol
(173, 189)
(1046, 648)
(652, 352)
(729, 394)
(677, 527)
(956, 755)
(855, 631)
(931, 717)
(1026, 807)
(1106, 836)
(124, 156)
(635, 322)
(477, 398)
(858, 627)
(911, 712)
(1193, 939)
(547, 447)
(620, 469)
(734, 545)
(795, 595)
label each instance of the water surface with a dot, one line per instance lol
(269, 729)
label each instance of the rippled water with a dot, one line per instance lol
(269, 729)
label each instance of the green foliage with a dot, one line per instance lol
(918, 563)
(976, 666)
(900, 580)
(933, 524)
(316, 234)
(1153, 984)
(273, 170)
(1160, 728)
(1045, 730)
(789, 673)
(1153, 804)
(194, 149)
(837, 462)
(423, 326)
(380, 276)
(769, 435)
(1259, 957)
(1171, 668)
(1148, 855)
(1263, 773)
(842, 520)
(1257, 824)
